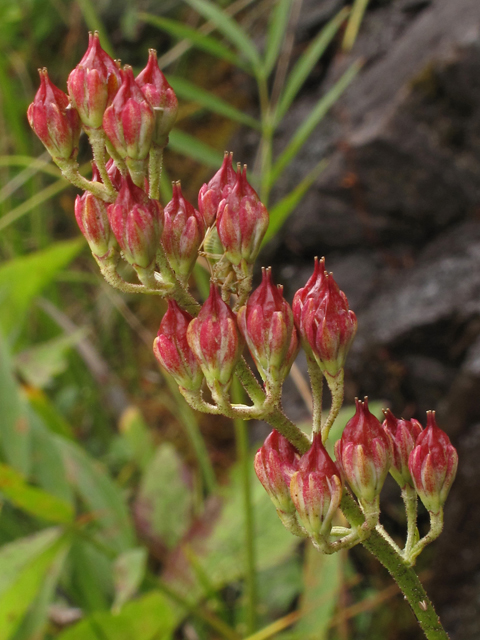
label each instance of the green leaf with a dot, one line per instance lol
(280, 212)
(189, 146)
(48, 413)
(306, 62)
(148, 618)
(88, 579)
(230, 29)
(10, 105)
(189, 91)
(306, 129)
(21, 279)
(276, 33)
(201, 41)
(33, 500)
(25, 564)
(128, 573)
(137, 437)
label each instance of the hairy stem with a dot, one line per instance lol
(436, 527)
(316, 381)
(410, 500)
(97, 139)
(335, 384)
(70, 171)
(155, 163)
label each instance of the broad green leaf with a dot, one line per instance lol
(100, 495)
(150, 617)
(48, 412)
(189, 146)
(21, 279)
(88, 578)
(25, 564)
(39, 364)
(33, 500)
(136, 436)
(280, 212)
(276, 33)
(306, 62)
(189, 91)
(128, 573)
(230, 29)
(201, 41)
(306, 129)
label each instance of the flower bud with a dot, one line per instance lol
(403, 434)
(316, 489)
(433, 465)
(92, 218)
(182, 234)
(161, 97)
(325, 323)
(242, 221)
(212, 193)
(54, 121)
(364, 454)
(137, 223)
(172, 351)
(215, 339)
(266, 323)
(93, 83)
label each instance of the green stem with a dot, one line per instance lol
(335, 384)
(155, 162)
(97, 139)
(410, 500)
(436, 527)
(70, 171)
(316, 382)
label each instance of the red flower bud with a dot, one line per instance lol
(215, 339)
(242, 221)
(92, 218)
(114, 174)
(325, 323)
(275, 464)
(212, 193)
(182, 234)
(93, 83)
(364, 453)
(266, 323)
(316, 489)
(54, 121)
(433, 465)
(403, 434)
(172, 351)
(137, 223)
(129, 121)
(161, 96)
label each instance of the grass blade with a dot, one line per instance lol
(307, 61)
(229, 28)
(206, 43)
(93, 22)
(305, 130)
(189, 146)
(276, 32)
(353, 26)
(189, 91)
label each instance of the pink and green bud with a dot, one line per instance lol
(325, 323)
(364, 454)
(404, 434)
(129, 121)
(137, 223)
(93, 83)
(213, 192)
(161, 97)
(242, 221)
(182, 234)
(433, 465)
(54, 120)
(266, 323)
(275, 464)
(316, 489)
(215, 340)
(92, 218)
(172, 351)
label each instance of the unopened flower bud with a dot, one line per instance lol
(182, 234)
(433, 465)
(316, 489)
(266, 323)
(213, 192)
(92, 218)
(242, 221)
(364, 454)
(403, 434)
(172, 351)
(325, 323)
(215, 339)
(161, 97)
(93, 83)
(54, 121)
(137, 223)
